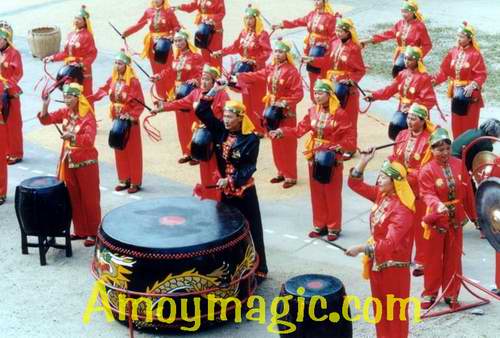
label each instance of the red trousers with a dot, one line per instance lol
(208, 177)
(391, 281)
(443, 261)
(3, 161)
(312, 80)
(83, 187)
(162, 86)
(420, 242)
(252, 99)
(497, 270)
(185, 122)
(326, 200)
(215, 44)
(352, 110)
(87, 85)
(129, 160)
(285, 152)
(14, 130)
(460, 124)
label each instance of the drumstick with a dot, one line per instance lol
(213, 186)
(359, 88)
(142, 103)
(142, 69)
(382, 147)
(58, 129)
(116, 30)
(333, 244)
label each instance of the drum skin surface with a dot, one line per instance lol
(119, 134)
(180, 248)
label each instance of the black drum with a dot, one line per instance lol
(70, 73)
(399, 65)
(241, 67)
(202, 144)
(342, 93)
(316, 51)
(323, 165)
(203, 35)
(43, 207)
(459, 102)
(397, 124)
(180, 248)
(183, 90)
(5, 105)
(273, 116)
(328, 287)
(161, 49)
(119, 134)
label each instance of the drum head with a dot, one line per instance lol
(314, 285)
(488, 210)
(40, 182)
(172, 225)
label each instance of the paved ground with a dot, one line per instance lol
(49, 301)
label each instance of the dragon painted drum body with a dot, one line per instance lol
(175, 249)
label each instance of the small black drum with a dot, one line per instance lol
(180, 248)
(316, 51)
(273, 116)
(43, 206)
(342, 93)
(323, 165)
(203, 35)
(119, 134)
(328, 287)
(183, 90)
(5, 105)
(241, 67)
(202, 144)
(459, 102)
(161, 49)
(70, 73)
(399, 65)
(397, 124)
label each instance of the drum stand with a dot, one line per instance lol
(467, 284)
(46, 242)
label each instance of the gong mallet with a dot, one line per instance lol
(333, 244)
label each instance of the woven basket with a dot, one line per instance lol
(44, 41)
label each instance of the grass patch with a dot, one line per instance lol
(379, 57)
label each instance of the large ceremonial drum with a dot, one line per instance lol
(175, 252)
(203, 35)
(119, 134)
(202, 144)
(323, 165)
(69, 73)
(306, 287)
(459, 102)
(342, 93)
(399, 65)
(316, 51)
(272, 117)
(398, 123)
(43, 206)
(44, 41)
(161, 50)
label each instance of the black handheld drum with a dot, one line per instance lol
(273, 116)
(203, 35)
(316, 51)
(161, 49)
(119, 134)
(459, 102)
(342, 93)
(5, 105)
(180, 248)
(399, 65)
(323, 165)
(202, 144)
(43, 207)
(397, 124)
(183, 90)
(333, 291)
(71, 73)
(241, 67)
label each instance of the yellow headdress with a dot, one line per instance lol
(412, 6)
(348, 25)
(259, 24)
(470, 31)
(327, 7)
(86, 16)
(184, 35)
(247, 127)
(285, 47)
(326, 86)
(7, 35)
(129, 71)
(76, 89)
(416, 54)
(166, 4)
(397, 172)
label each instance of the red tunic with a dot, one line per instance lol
(412, 87)
(327, 130)
(3, 151)
(412, 33)
(462, 66)
(391, 229)
(12, 70)
(283, 85)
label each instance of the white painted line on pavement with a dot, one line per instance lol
(119, 193)
(22, 168)
(38, 172)
(307, 240)
(290, 236)
(137, 198)
(50, 174)
(103, 188)
(269, 231)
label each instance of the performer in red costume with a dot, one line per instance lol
(329, 129)
(78, 166)
(79, 48)
(284, 90)
(413, 151)
(162, 24)
(210, 12)
(11, 72)
(320, 25)
(208, 169)
(254, 47)
(446, 189)
(464, 67)
(124, 90)
(3, 149)
(186, 70)
(409, 31)
(388, 252)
